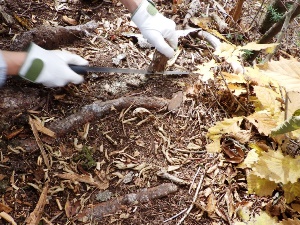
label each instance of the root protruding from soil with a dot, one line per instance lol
(98, 211)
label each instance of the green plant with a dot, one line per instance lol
(275, 15)
(85, 158)
(247, 53)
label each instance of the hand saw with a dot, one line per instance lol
(85, 69)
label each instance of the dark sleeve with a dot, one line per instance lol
(2, 70)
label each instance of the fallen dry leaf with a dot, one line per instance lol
(69, 20)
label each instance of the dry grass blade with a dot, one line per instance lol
(194, 200)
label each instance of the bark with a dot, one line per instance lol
(272, 32)
(275, 29)
(236, 12)
(99, 109)
(53, 37)
(268, 22)
(98, 211)
(158, 63)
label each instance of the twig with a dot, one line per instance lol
(258, 11)
(173, 217)
(194, 200)
(165, 175)
(39, 143)
(267, 37)
(35, 216)
(196, 174)
(284, 28)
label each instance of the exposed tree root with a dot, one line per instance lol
(53, 37)
(98, 211)
(98, 109)
(16, 100)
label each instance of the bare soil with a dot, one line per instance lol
(120, 154)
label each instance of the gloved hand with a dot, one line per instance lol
(50, 68)
(156, 28)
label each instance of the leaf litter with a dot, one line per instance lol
(137, 147)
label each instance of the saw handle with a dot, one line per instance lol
(78, 69)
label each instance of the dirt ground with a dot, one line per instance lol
(121, 151)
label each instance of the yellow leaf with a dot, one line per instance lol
(205, 70)
(294, 221)
(234, 78)
(260, 186)
(223, 127)
(260, 219)
(244, 214)
(255, 75)
(291, 191)
(274, 166)
(257, 148)
(201, 21)
(237, 90)
(286, 72)
(268, 98)
(264, 121)
(243, 136)
(293, 103)
(263, 219)
(256, 47)
(229, 52)
(214, 147)
(226, 126)
(252, 157)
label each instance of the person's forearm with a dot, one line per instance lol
(131, 5)
(14, 61)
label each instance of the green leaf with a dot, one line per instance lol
(296, 113)
(291, 124)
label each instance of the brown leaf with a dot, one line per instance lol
(211, 204)
(176, 102)
(275, 209)
(88, 179)
(69, 21)
(233, 153)
(40, 127)
(14, 133)
(5, 208)
(2, 176)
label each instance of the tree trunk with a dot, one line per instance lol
(267, 23)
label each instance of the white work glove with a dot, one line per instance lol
(157, 29)
(50, 68)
